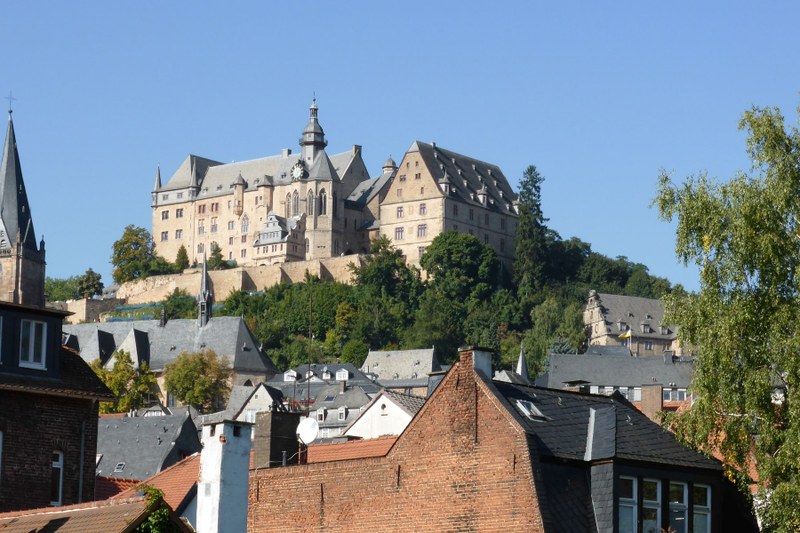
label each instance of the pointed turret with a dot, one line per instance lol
(15, 212)
(522, 366)
(313, 139)
(22, 262)
(204, 298)
(157, 185)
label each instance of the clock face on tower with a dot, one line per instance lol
(297, 171)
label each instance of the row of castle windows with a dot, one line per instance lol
(422, 210)
(486, 218)
(400, 233)
(399, 191)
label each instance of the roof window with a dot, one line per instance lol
(120, 467)
(529, 409)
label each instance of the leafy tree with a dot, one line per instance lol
(89, 284)
(61, 289)
(179, 305)
(384, 272)
(159, 514)
(199, 379)
(132, 387)
(530, 254)
(460, 266)
(132, 255)
(744, 235)
(182, 259)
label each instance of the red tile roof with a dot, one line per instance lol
(110, 516)
(177, 482)
(106, 487)
(356, 449)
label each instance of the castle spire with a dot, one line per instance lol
(313, 140)
(158, 178)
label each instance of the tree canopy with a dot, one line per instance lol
(744, 234)
(200, 379)
(133, 257)
(133, 387)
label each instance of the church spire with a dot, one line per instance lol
(204, 298)
(15, 212)
(22, 261)
(313, 140)
(522, 366)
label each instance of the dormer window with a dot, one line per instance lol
(290, 375)
(342, 375)
(342, 413)
(529, 409)
(326, 374)
(321, 414)
(32, 344)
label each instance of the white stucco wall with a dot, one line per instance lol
(384, 417)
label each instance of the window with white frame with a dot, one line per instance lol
(179, 213)
(56, 477)
(651, 506)
(321, 414)
(164, 235)
(342, 374)
(678, 507)
(342, 413)
(701, 502)
(32, 344)
(627, 506)
(400, 212)
(178, 234)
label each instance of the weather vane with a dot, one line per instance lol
(11, 100)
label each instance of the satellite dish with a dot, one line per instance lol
(307, 430)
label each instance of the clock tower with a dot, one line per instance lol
(313, 140)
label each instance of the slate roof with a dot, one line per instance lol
(407, 402)
(467, 177)
(109, 516)
(617, 370)
(367, 190)
(623, 434)
(178, 483)
(401, 364)
(227, 336)
(76, 379)
(355, 449)
(145, 444)
(633, 311)
(237, 400)
(215, 178)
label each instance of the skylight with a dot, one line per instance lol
(529, 409)
(120, 467)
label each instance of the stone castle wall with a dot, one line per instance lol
(223, 282)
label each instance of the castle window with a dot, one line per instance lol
(201, 209)
(245, 224)
(165, 196)
(214, 225)
(423, 209)
(179, 195)
(215, 207)
(165, 214)
(295, 204)
(200, 248)
(323, 202)
(243, 252)
(421, 250)
(244, 239)
(164, 236)
(455, 210)
(230, 241)
(310, 204)
(417, 176)
(399, 193)
(400, 212)
(399, 234)
(201, 229)
(471, 214)
(502, 223)
(422, 190)
(179, 213)
(422, 230)
(402, 178)
(56, 478)
(486, 219)
(178, 234)
(32, 344)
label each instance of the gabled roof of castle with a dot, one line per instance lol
(617, 370)
(468, 177)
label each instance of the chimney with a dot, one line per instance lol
(342, 386)
(275, 435)
(652, 400)
(224, 474)
(480, 359)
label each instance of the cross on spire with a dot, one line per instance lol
(11, 100)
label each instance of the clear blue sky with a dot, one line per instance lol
(598, 95)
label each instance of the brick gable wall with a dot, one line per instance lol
(462, 465)
(33, 426)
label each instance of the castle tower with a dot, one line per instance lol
(22, 262)
(313, 140)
